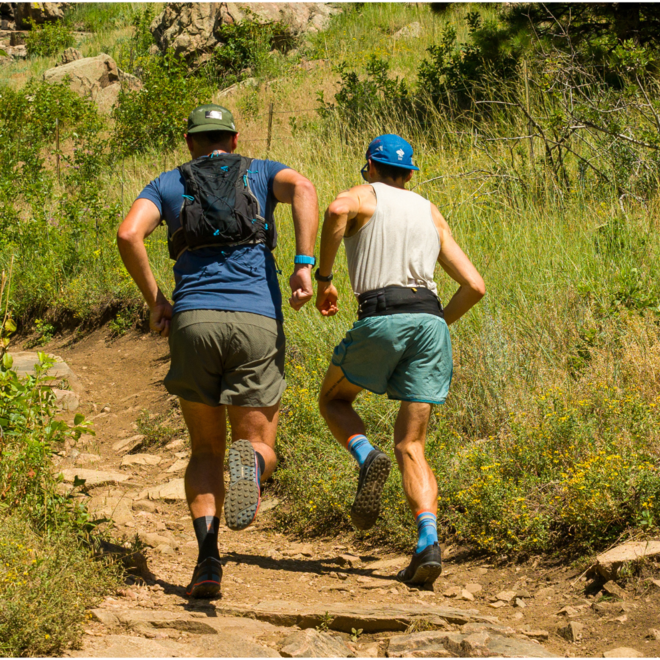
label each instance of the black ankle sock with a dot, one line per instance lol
(206, 531)
(262, 465)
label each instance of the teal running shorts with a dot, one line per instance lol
(407, 356)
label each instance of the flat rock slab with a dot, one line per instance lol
(26, 361)
(394, 563)
(465, 645)
(93, 477)
(172, 491)
(128, 444)
(140, 459)
(181, 464)
(125, 646)
(211, 636)
(311, 643)
(346, 617)
(66, 399)
(608, 564)
(130, 646)
(623, 652)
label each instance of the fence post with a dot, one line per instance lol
(530, 127)
(270, 128)
(57, 148)
(122, 186)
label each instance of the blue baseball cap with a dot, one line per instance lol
(391, 150)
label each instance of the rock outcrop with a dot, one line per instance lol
(96, 77)
(192, 28)
(70, 55)
(608, 564)
(39, 12)
(7, 19)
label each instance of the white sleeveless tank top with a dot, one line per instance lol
(399, 246)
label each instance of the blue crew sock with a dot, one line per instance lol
(427, 529)
(359, 447)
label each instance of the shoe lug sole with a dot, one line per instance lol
(426, 574)
(241, 504)
(205, 591)
(243, 496)
(366, 507)
(242, 462)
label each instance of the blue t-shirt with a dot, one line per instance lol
(237, 279)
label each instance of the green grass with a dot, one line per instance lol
(48, 575)
(549, 438)
(104, 17)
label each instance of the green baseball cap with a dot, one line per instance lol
(211, 117)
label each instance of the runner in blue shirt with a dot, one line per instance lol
(225, 326)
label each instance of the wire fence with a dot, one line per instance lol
(271, 111)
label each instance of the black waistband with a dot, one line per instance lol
(398, 300)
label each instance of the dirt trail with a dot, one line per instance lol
(275, 586)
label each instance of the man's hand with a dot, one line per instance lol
(301, 286)
(326, 299)
(160, 316)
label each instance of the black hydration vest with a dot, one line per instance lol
(218, 208)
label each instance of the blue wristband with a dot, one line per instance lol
(304, 259)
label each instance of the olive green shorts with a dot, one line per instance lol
(226, 358)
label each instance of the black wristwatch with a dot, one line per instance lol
(320, 278)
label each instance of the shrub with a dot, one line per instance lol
(369, 99)
(244, 47)
(454, 74)
(48, 39)
(155, 116)
(47, 586)
(48, 578)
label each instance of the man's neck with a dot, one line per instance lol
(395, 183)
(210, 151)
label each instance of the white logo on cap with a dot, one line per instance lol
(401, 153)
(213, 114)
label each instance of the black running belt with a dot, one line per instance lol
(398, 300)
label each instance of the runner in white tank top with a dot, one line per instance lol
(400, 345)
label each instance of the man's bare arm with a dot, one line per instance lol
(456, 264)
(341, 211)
(142, 220)
(290, 187)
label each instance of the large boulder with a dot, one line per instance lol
(97, 78)
(192, 28)
(87, 76)
(299, 17)
(39, 12)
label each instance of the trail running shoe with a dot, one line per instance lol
(206, 578)
(244, 495)
(373, 475)
(424, 568)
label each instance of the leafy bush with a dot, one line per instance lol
(244, 46)
(48, 578)
(27, 125)
(454, 75)
(48, 39)
(368, 99)
(155, 116)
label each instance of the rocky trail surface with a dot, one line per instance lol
(292, 597)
